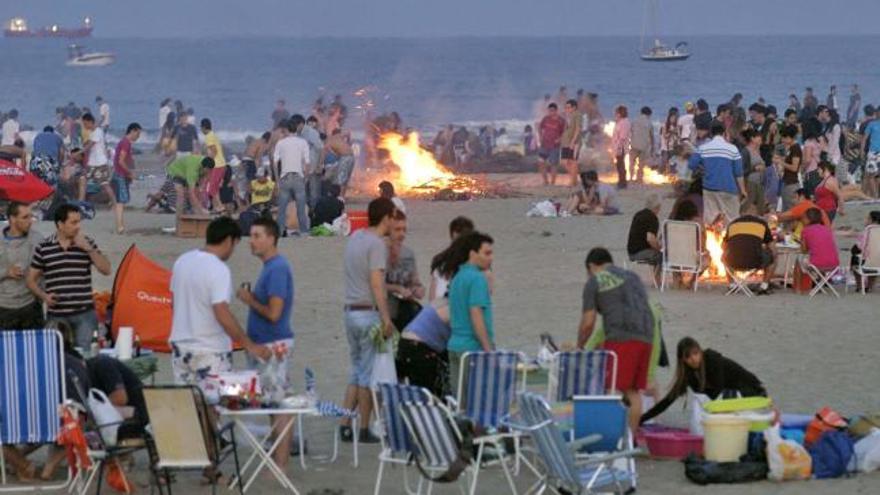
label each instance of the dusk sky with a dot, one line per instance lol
(416, 18)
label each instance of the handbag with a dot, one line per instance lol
(107, 417)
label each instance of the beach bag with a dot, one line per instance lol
(867, 452)
(826, 419)
(107, 417)
(786, 459)
(832, 454)
(704, 472)
(384, 370)
(464, 454)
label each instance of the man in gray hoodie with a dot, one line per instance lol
(19, 309)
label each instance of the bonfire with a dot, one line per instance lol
(650, 176)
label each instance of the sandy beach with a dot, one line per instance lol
(809, 353)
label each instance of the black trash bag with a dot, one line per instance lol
(703, 472)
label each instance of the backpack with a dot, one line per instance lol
(464, 457)
(826, 419)
(832, 454)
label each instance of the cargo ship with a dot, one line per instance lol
(17, 27)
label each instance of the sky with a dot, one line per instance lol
(433, 18)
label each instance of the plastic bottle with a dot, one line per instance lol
(95, 346)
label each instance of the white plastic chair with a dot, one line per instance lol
(682, 244)
(870, 263)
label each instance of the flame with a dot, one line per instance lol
(417, 167)
(649, 175)
(714, 240)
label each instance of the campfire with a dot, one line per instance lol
(650, 176)
(415, 172)
(714, 240)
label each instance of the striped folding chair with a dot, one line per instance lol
(31, 393)
(581, 373)
(397, 447)
(437, 441)
(561, 469)
(328, 410)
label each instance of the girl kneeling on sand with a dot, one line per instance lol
(706, 372)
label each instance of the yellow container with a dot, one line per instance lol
(725, 437)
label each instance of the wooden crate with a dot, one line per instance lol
(193, 225)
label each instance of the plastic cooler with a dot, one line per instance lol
(358, 220)
(671, 443)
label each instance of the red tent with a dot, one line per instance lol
(19, 185)
(142, 300)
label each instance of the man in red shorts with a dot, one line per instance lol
(619, 296)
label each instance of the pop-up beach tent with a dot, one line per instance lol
(142, 300)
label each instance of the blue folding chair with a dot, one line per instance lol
(397, 447)
(605, 418)
(328, 410)
(581, 373)
(31, 391)
(436, 437)
(562, 470)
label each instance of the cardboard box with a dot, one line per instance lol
(193, 225)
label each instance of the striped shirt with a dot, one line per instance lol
(67, 273)
(721, 164)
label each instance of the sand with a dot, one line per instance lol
(809, 353)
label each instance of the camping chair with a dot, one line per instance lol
(31, 393)
(562, 469)
(183, 436)
(605, 417)
(437, 440)
(581, 373)
(740, 280)
(487, 387)
(396, 444)
(682, 250)
(869, 265)
(328, 410)
(821, 278)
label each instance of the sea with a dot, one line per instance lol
(430, 82)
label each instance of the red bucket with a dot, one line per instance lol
(358, 220)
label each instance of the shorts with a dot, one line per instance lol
(362, 351)
(750, 261)
(633, 361)
(23, 318)
(99, 174)
(550, 156)
(192, 368)
(215, 180)
(121, 189)
(274, 380)
(180, 181)
(872, 163)
(650, 256)
(567, 153)
(720, 203)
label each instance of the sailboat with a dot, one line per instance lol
(660, 52)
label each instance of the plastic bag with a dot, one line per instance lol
(867, 451)
(384, 370)
(544, 209)
(704, 472)
(787, 460)
(105, 413)
(696, 402)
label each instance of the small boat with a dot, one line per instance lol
(77, 57)
(662, 53)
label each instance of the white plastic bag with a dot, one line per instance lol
(787, 460)
(696, 402)
(384, 370)
(544, 208)
(105, 413)
(867, 452)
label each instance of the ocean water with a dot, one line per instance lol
(430, 82)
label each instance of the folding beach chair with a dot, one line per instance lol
(682, 250)
(581, 373)
(397, 447)
(31, 393)
(740, 280)
(821, 278)
(627, 262)
(562, 470)
(327, 410)
(436, 437)
(869, 266)
(183, 436)
(604, 417)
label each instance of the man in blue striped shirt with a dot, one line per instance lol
(721, 165)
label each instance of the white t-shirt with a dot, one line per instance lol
(98, 153)
(441, 284)
(199, 280)
(10, 129)
(293, 152)
(686, 127)
(104, 111)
